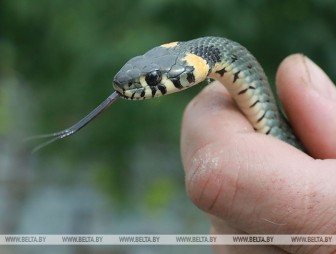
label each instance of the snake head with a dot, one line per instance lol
(158, 72)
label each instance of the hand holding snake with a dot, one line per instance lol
(249, 183)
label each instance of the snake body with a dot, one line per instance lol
(175, 66)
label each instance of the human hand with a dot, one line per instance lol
(252, 183)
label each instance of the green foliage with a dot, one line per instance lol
(160, 192)
(67, 53)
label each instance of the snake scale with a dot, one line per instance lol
(176, 66)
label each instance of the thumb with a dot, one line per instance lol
(309, 99)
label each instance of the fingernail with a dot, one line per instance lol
(317, 79)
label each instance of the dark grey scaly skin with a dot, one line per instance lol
(226, 61)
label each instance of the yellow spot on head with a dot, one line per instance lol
(169, 45)
(200, 65)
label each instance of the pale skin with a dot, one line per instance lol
(250, 183)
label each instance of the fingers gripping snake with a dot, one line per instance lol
(176, 66)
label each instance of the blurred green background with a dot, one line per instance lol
(123, 172)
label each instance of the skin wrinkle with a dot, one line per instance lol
(307, 72)
(306, 204)
(319, 227)
(263, 166)
(314, 202)
(278, 220)
(238, 186)
(216, 196)
(210, 164)
(274, 223)
(207, 165)
(248, 170)
(200, 168)
(311, 203)
(231, 205)
(259, 163)
(195, 172)
(324, 217)
(325, 213)
(233, 156)
(272, 220)
(324, 224)
(257, 213)
(327, 91)
(300, 209)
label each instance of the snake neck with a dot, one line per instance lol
(237, 69)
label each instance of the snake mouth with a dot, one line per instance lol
(119, 87)
(131, 94)
(139, 93)
(142, 93)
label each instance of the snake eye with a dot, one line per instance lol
(153, 78)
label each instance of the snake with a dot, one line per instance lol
(176, 66)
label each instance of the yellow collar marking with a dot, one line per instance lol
(200, 65)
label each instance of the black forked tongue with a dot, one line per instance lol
(77, 126)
